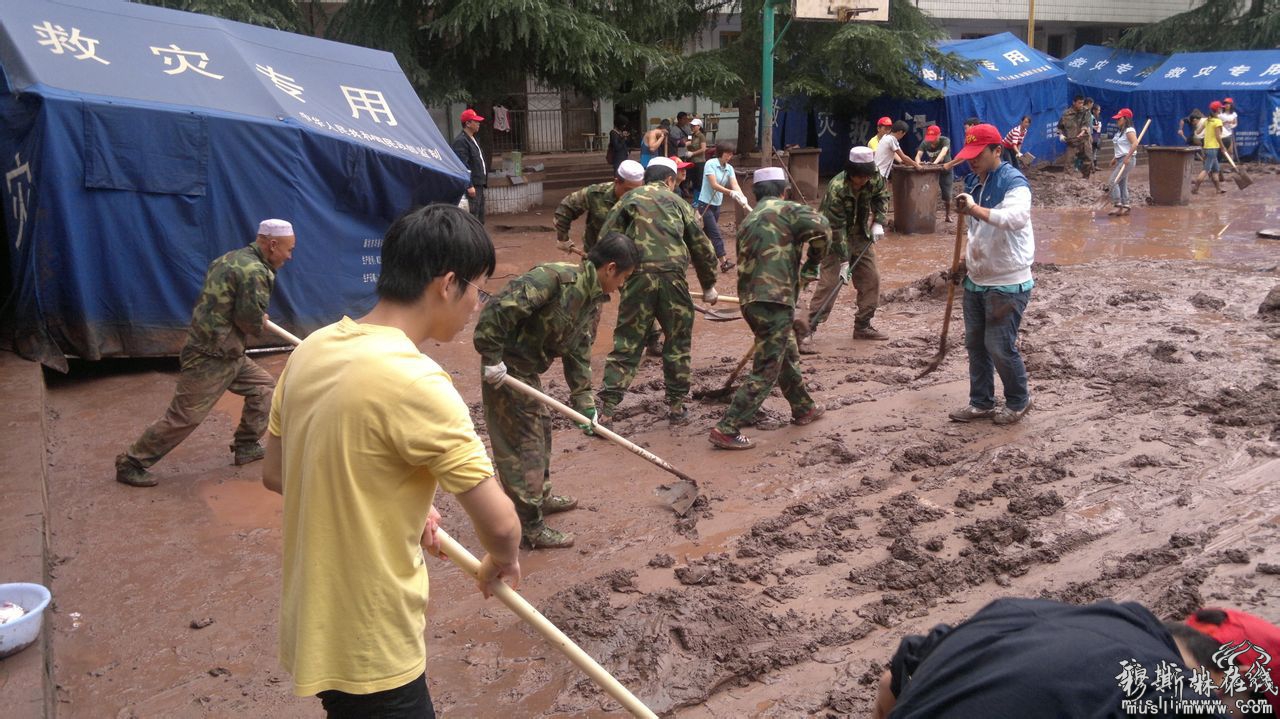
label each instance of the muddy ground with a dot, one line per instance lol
(1145, 472)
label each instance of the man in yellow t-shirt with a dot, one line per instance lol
(363, 430)
(1212, 146)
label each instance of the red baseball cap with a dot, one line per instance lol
(468, 115)
(1241, 626)
(680, 164)
(977, 138)
(1124, 112)
(932, 131)
(1215, 105)
(1228, 101)
(884, 121)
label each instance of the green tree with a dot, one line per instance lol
(839, 66)
(278, 14)
(1215, 25)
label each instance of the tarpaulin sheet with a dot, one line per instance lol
(1109, 76)
(1192, 80)
(139, 143)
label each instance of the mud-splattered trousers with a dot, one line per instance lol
(520, 432)
(201, 383)
(775, 361)
(661, 295)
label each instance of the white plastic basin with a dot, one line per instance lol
(22, 632)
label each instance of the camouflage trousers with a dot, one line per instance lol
(201, 383)
(776, 361)
(520, 432)
(866, 280)
(1080, 151)
(647, 296)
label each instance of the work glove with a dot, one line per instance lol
(956, 277)
(741, 199)
(710, 295)
(565, 244)
(963, 202)
(586, 428)
(877, 231)
(846, 273)
(495, 374)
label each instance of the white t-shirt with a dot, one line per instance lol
(1228, 123)
(886, 151)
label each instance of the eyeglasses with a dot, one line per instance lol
(481, 295)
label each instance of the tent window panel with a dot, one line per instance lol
(143, 150)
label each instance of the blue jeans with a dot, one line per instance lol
(991, 321)
(1120, 190)
(711, 226)
(1211, 160)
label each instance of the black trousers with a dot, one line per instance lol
(477, 203)
(410, 701)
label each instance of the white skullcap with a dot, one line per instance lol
(662, 162)
(275, 228)
(769, 174)
(631, 171)
(862, 154)
(696, 121)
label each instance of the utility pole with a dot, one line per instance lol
(766, 85)
(1031, 24)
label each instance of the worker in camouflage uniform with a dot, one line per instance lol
(1076, 126)
(537, 317)
(665, 228)
(856, 205)
(232, 306)
(770, 246)
(594, 201)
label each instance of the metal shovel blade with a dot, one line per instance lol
(717, 315)
(1242, 179)
(681, 496)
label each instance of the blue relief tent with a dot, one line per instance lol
(1013, 80)
(139, 143)
(1109, 76)
(1192, 80)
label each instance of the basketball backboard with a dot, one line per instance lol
(841, 10)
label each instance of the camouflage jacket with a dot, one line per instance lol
(594, 200)
(848, 209)
(541, 315)
(1073, 121)
(236, 292)
(665, 228)
(770, 244)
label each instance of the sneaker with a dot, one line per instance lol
(246, 453)
(806, 345)
(968, 413)
(867, 332)
(809, 417)
(678, 416)
(1010, 416)
(729, 441)
(557, 503)
(544, 537)
(131, 473)
(727, 265)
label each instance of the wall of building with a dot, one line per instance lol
(1128, 12)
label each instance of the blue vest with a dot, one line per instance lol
(1004, 178)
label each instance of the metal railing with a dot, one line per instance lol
(565, 130)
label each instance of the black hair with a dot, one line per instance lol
(617, 248)
(429, 242)
(1201, 646)
(1024, 117)
(994, 145)
(900, 126)
(726, 146)
(769, 188)
(860, 169)
(665, 123)
(619, 123)
(1211, 616)
(681, 114)
(1088, 101)
(972, 121)
(657, 173)
(1078, 98)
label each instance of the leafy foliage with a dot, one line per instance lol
(1215, 25)
(277, 14)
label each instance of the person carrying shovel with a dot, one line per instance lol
(546, 313)
(857, 206)
(996, 204)
(665, 228)
(594, 201)
(1124, 160)
(770, 243)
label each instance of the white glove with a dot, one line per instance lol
(963, 202)
(844, 273)
(741, 199)
(710, 295)
(566, 245)
(877, 231)
(495, 374)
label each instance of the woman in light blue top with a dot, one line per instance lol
(718, 178)
(1125, 140)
